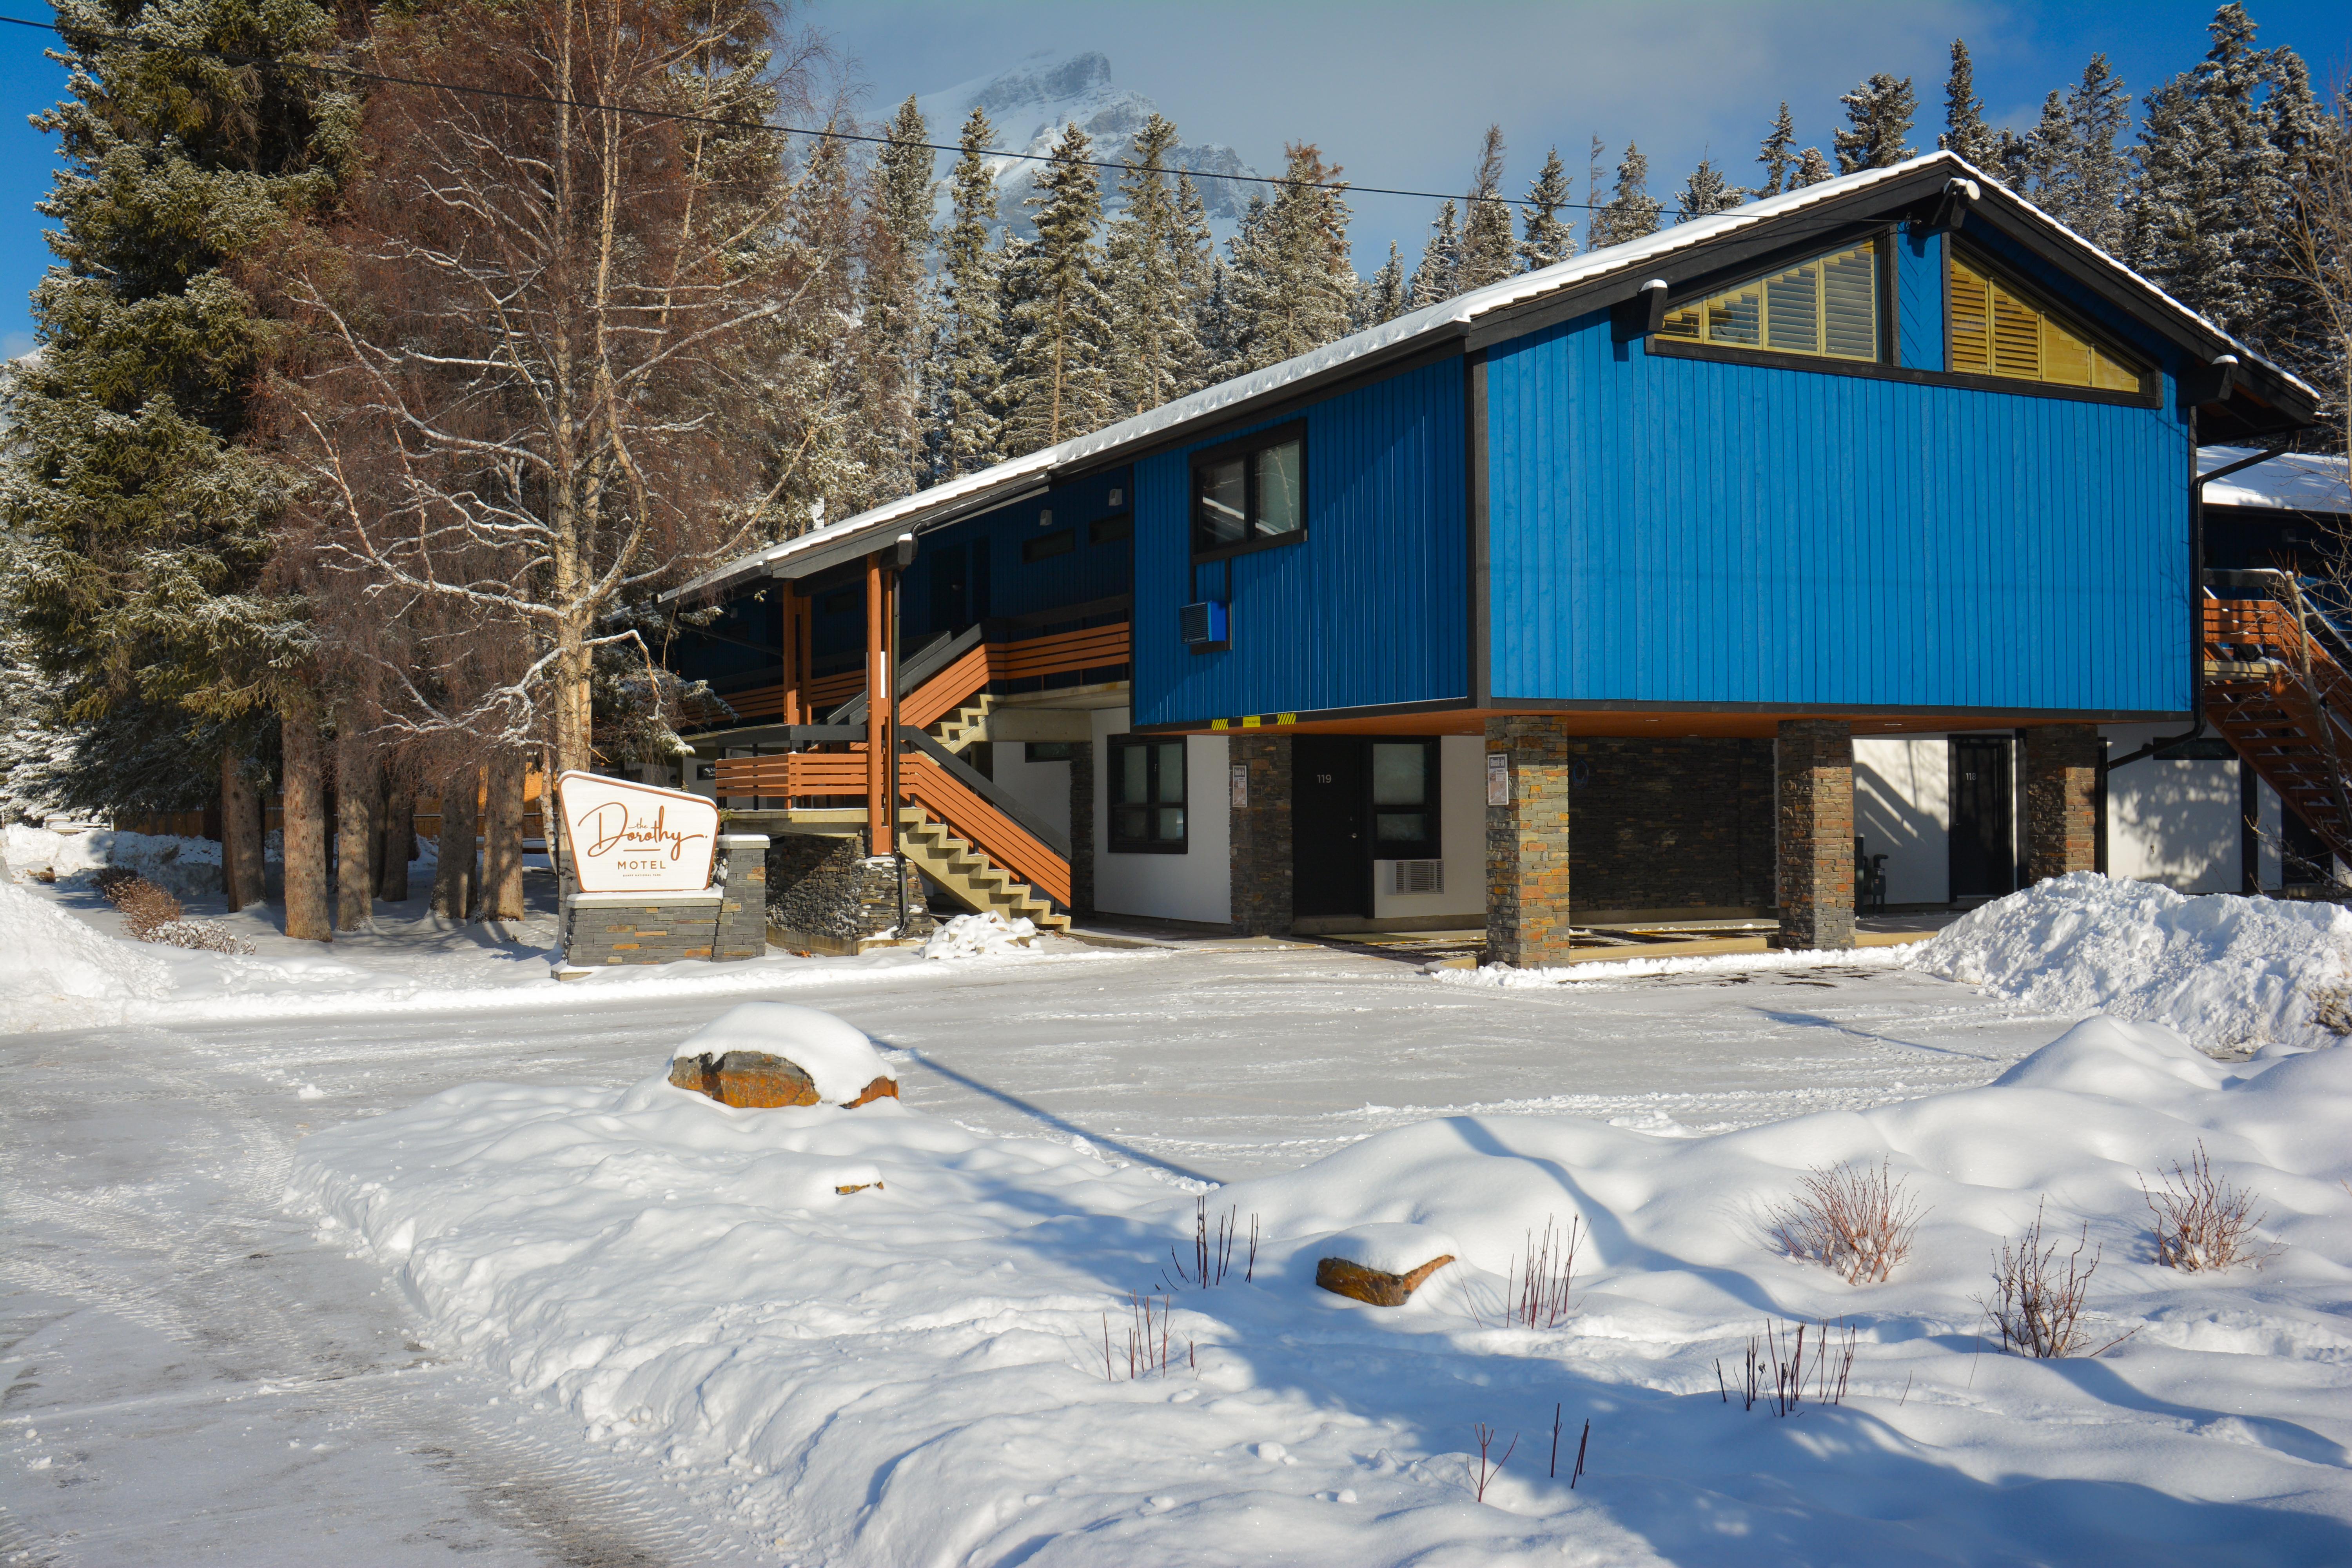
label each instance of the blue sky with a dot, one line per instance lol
(1398, 94)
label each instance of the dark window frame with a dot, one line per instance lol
(1245, 447)
(1115, 770)
(1882, 239)
(1048, 547)
(1111, 530)
(1432, 799)
(1029, 751)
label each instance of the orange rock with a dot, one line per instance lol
(880, 1088)
(1371, 1286)
(754, 1079)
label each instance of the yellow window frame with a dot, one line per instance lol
(1827, 306)
(1993, 327)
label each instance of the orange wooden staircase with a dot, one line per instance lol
(2277, 689)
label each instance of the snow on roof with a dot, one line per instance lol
(2296, 481)
(1009, 479)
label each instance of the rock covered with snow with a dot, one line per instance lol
(2223, 970)
(768, 1054)
(988, 935)
(1382, 1264)
(189, 868)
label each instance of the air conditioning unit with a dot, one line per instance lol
(1417, 876)
(1204, 623)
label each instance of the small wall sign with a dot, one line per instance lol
(1241, 784)
(1499, 778)
(630, 838)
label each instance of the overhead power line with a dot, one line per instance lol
(725, 122)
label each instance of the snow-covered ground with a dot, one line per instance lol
(564, 1313)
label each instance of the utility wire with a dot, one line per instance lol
(681, 117)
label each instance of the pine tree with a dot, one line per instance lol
(2099, 111)
(2221, 150)
(1775, 155)
(970, 336)
(1487, 253)
(1197, 267)
(895, 326)
(1293, 287)
(1441, 262)
(1707, 192)
(1154, 338)
(141, 520)
(2049, 154)
(1549, 237)
(1965, 132)
(1383, 295)
(1632, 212)
(1878, 117)
(1057, 378)
(1812, 169)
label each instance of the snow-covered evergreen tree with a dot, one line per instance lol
(1293, 287)
(1196, 264)
(1057, 375)
(1812, 169)
(1631, 212)
(142, 524)
(1383, 295)
(1965, 132)
(1154, 338)
(970, 337)
(1440, 261)
(2221, 150)
(2049, 154)
(1775, 153)
(1548, 238)
(1220, 321)
(1707, 192)
(895, 318)
(2070, 162)
(1488, 254)
(1878, 120)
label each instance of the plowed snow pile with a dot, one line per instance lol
(54, 970)
(2224, 970)
(951, 1366)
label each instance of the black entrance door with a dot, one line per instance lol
(1331, 859)
(1984, 858)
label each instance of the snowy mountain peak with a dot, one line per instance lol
(1033, 102)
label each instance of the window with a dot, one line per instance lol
(1250, 494)
(1996, 331)
(1046, 546)
(1404, 800)
(1826, 307)
(1046, 751)
(1110, 530)
(1147, 797)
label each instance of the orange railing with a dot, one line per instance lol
(943, 796)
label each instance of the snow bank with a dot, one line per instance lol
(981, 936)
(57, 968)
(2223, 970)
(837, 1056)
(939, 1369)
(1503, 975)
(189, 868)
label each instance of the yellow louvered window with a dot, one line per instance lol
(1826, 305)
(1996, 331)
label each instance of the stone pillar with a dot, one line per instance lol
(2062, 799)
(742, 876)
(1814, 761)
(1527, 841)
(1258, 795)
(1082, 829)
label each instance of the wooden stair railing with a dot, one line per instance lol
(2280, 697)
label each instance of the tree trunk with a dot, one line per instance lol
(308, 915)
(502, 839)
(241, 870)
(357, 805)
(455, 881)
(399, 838)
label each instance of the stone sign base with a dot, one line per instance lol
(827, 895)
(724, 923)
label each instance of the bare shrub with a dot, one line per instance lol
(1536, 1290)
(1213, 1252)
(2201, 1221)
(1150, 1346)
(203, 936)
(1783, 1356)
(151, 914)
(2036, 1305)
(1851, 1219)
(1488, 1469)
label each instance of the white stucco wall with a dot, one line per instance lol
(1043, 789)
(1903, 810)
(1462, 836)
(2172, 821)
(1194, 886)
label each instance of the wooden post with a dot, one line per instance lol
(881, 827)
(308, 915)
(788, 616)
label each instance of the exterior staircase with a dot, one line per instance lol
(2276, 688)
(967, 724)
(969, 875)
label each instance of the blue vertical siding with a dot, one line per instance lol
(1367, 610)
(1675, 530)
(1920, 299)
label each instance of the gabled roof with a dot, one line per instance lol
(1524, 303)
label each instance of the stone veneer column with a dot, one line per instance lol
(1082, 829)
(1814, 761)
(742, 928)
(1528, 842)
(1259, 774)
(2062, 799)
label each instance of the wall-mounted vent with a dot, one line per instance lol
(1417, 876)
(1203, 623)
